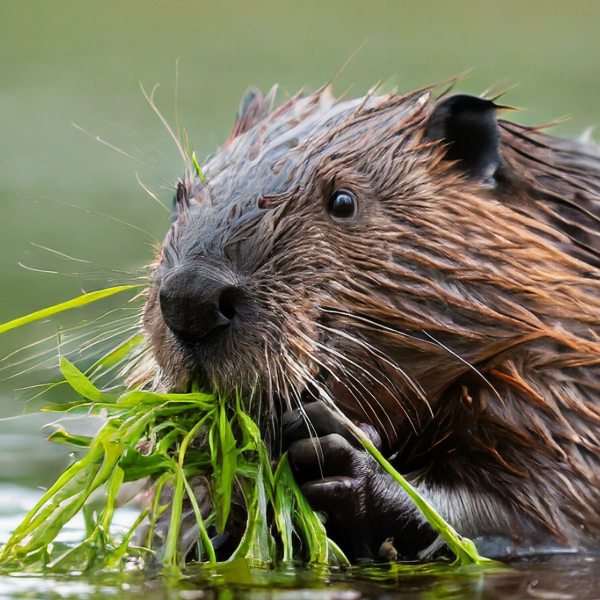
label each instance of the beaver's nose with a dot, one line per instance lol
(198, 304)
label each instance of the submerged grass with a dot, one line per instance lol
(166, 441)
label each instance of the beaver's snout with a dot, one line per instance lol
(200, 302)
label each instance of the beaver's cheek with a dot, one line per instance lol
(152, 321)
(165, 351)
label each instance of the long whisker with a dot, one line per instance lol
(150, 99)
(86, 326)
(111, 146)
(52, 350)
(431, 340)
(325, 349)
(98, 374)
(413, 385)
(375, 324)
(89, 275)
(403, 335)
(150, 193)
(103, 337)
(304, 379)
(34, 367)
(79, 260)
(268, 392)
(105, 216)
(467, 364)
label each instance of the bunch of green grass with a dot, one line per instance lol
(166, 440)
(188, 435)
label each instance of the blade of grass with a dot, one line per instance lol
(282, 509)
(82, 385)
(112, 490)
(256, 545)
(306, 520)
(206, 543)
(156, 509)
(74, 303)
(62, 437)
(170, 557)
(120, 551)
(113, 358)
(464, 548)
(224, 458)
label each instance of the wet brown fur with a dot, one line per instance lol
(460, 320)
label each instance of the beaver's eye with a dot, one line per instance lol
(343, 205)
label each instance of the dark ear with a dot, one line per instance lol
(247, 112)
(253, 108)
(468, 125)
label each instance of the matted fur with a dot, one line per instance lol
(460, 320)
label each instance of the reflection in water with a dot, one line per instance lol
(558, 577)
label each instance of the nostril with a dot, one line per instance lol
(228, 301)
(199, 304)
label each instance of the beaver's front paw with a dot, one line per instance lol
(328, 462)
(364, 506)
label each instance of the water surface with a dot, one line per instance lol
(560, 577)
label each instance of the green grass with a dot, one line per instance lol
(167, 440)
(189, 434)
(57, 308)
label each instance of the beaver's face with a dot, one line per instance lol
(317, 258)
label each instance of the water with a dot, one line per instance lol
(60, 189)
(562, 577)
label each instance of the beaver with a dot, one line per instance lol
(426, 268)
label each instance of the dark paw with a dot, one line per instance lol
(314, 420)
(330, 472)
(363, 505)
(320, 448)
(333, 471)
(325, 458)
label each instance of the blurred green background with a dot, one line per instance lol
(77, 62)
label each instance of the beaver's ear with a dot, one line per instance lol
(247, 112)
(253, 108)
(468, 125)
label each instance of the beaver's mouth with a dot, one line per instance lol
(203, 354)
(213, 370)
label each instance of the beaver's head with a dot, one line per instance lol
(374, 252)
